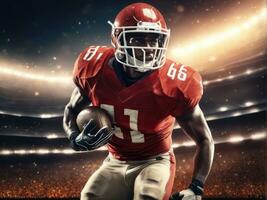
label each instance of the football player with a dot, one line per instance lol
(145, 93)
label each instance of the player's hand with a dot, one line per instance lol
(91, 138)
(187, 194)
(193, 192)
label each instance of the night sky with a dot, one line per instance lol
(52, 33)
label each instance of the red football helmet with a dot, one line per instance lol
(140, 36)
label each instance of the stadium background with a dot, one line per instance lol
(225, 40)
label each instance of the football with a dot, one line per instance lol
(99, 115)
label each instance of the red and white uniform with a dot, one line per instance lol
(144, 111)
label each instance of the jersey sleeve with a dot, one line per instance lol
(87, 66)
(191, 91)
(183, 85)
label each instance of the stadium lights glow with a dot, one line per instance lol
(258, 136)
(9, 113)
(248, 104)
(212, 117)
(247, 72)
(220, 37)
(43, 115)
(235, 114)
(43, 151)
(208, 117)
(223, 108)
(20, 151)
(68, 151)
(254, 110)
(34, 76)
(234, 139)
(58, 79)
(6, 152)
(68, 79)
(31, 151)
(206, 42)
(56, 151)
(188, 144)
(52, 136)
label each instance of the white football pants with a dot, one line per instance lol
(132, 180)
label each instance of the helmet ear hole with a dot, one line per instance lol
(121, 56)
(116, 32)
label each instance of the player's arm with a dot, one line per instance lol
(75, 105)
(196, 127)
(90, 137)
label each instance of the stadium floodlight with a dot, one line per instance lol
(233, 139)
(7, 70)
(248, 72)
(249, 103)
(43, 151)
(31, 151)
(52, 136)
(68, 151)
(236, 139)
(258, 136)
(223, 109)
(220, 37)
(20, 151)
(212, 117)
(254, 110)
(230, 77)
(56, 151)
(236, 114)
(5, 152)
(47, 115)
(188, 143)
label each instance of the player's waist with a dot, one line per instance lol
(159, 156)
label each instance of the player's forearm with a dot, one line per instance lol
(69, 121)
(76, 104)
(203, 159)
(196, 127)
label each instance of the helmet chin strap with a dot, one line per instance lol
(139, 63)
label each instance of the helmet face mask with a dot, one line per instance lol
(141, 44)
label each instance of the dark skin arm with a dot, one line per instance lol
(75, 105)
(196, 127)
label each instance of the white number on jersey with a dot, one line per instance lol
(172, 72)
(91, 52)
(110, 109)
(136, 136)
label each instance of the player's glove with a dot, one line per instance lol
(193, 192)
(90, 138)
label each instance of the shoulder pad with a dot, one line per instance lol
(178, 79)
(90, 61)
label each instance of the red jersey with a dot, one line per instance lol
(144, 111)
